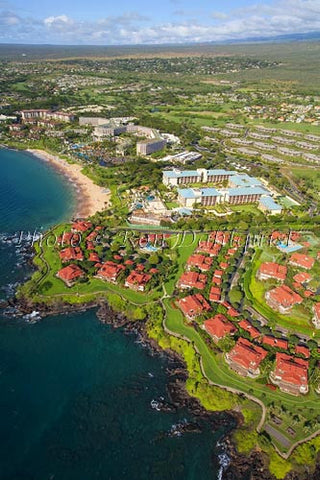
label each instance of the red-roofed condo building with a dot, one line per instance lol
(192, 280)
(301, 260)
(110, 271)
(272, 270)
(215, 294)
(71, 253)
(275, 342)
(194, 305)
(211, 248)
(248, 327)
(283, 298)
(70, 274)
(302, 277)
(81, 226)
(245, 358)
(200, 261)
(219, 326)
(290, 374)
(137, 280)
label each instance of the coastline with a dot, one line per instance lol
(90, 198)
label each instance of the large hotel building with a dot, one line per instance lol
(36, 114)
(237, 188)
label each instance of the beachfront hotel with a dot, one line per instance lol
(175, 177)
(37, 114)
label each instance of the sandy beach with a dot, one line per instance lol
(90, 197)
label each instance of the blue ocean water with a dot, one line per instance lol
(76, 395)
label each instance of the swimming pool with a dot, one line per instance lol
(288, 248)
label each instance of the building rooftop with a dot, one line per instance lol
(210, 192)
(273, 270)
(219, 326)
(248, 327)
(284, 296)
(246, 191)
(194, 305)
(302, 260)
(180, 173)
(71, 253)
(193, 280)
(200, 261)
(187, 193)
(291, 370)
(302, 277)
(275, 342)
(69, 273)
(246, 354)
(220, 172)
(269, 203)
(302, 350)
(244, 180)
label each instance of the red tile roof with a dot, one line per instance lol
(231, 311)
(302, 350)
(284, 296)
(216, 280)
(308, 293)
(69, 238)
(248, 327)
(222, 237)
(215, 294)
(137, 279)
(192, 280)
(70, 273)
(301, 260)
(154, 270)
(273, 270)
(211, 248)
(92, 236)
(71, 253)
(275, 342)
(246, 354)
(81, 226)
(200, 261)
(218, 273)
(223, 265)
(278, 235)
(129, 262)
(291, 370)
(110, 270)
(90, 245)
(219, 326)
(194, 305)
(294, 236)
(94, 257)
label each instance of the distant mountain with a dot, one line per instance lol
(290, 37)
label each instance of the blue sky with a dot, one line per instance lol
(104, 22)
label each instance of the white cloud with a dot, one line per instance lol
(58, 21)
(9, 19)
(281, 17)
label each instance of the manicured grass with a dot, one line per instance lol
(184, 245)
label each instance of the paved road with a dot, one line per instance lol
(285, 442)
